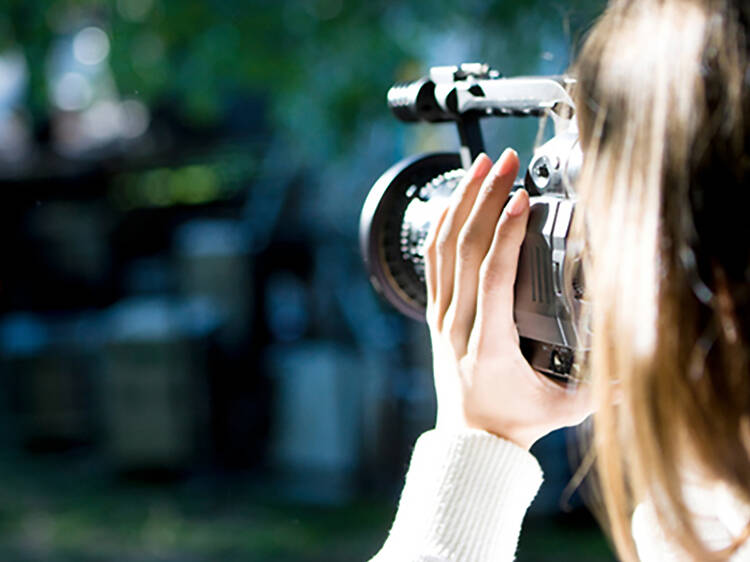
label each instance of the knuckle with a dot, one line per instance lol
(444, 244)
(506, 234)
(487, 270)
(492, 275)
(466, 245)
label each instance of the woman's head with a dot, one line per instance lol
(663, 98)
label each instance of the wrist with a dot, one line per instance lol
(452, 420)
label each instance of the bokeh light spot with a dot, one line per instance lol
(102, 120)
(134, 10)
(91, 46)
(72, 92)
(135, 118)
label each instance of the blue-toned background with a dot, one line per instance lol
(193, 365)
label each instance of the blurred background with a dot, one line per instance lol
(193, 365)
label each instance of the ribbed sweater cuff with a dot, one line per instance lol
(465, 496)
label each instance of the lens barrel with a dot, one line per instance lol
(395, 219)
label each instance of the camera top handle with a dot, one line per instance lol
(468, 92)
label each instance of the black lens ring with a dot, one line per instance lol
(388, 198)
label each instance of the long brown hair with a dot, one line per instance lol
(663, 101)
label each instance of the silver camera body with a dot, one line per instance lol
(406, 200)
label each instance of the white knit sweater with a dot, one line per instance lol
(466, 494)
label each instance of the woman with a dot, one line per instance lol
(663, 102)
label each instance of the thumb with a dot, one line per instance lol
(498, 272)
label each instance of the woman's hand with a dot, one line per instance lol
(481, 379)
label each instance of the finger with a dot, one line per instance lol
(430, 263)
(474, 241)
(497, 274)
(460, 206)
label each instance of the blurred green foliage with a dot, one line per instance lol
(317, 61)
(78, 513)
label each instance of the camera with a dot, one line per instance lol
(407, 199)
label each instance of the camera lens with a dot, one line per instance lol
(395, 221)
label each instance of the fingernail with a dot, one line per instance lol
(480, 164)
(518, 203)
(506, 163)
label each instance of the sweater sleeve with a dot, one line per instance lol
(465, 497)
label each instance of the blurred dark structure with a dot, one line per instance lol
(189, 349)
